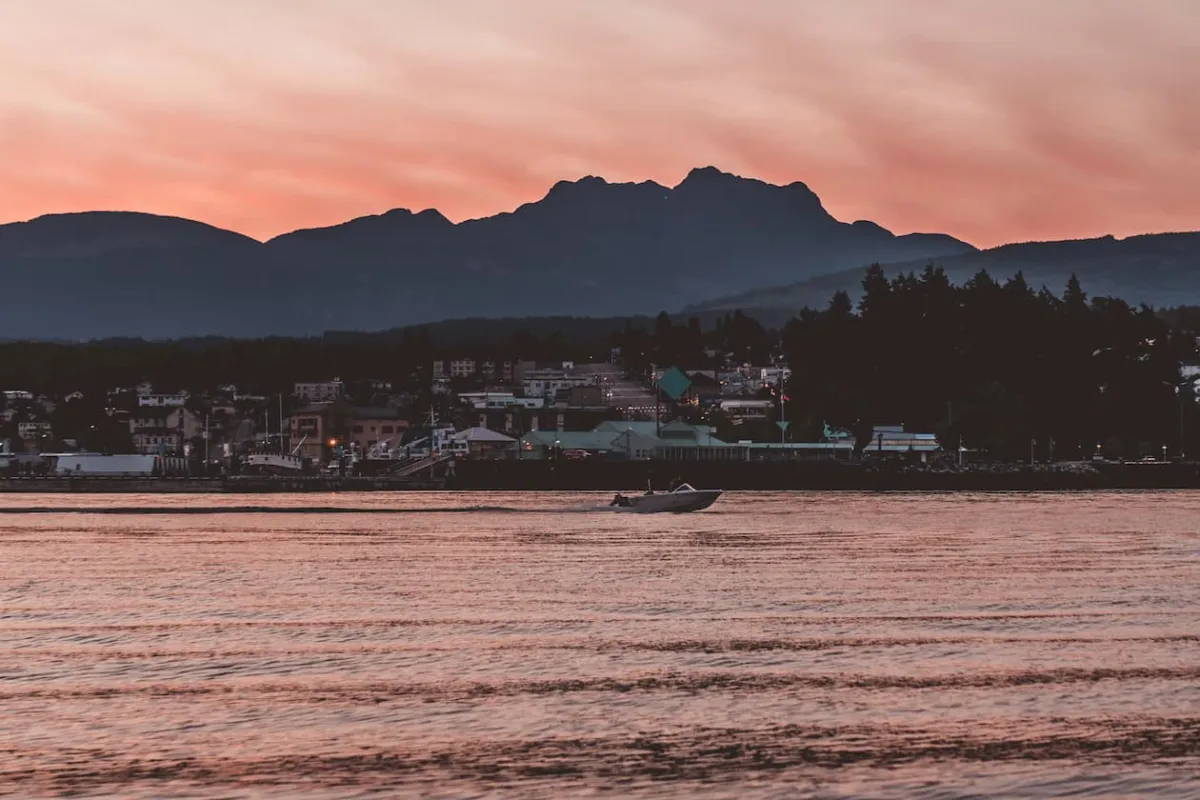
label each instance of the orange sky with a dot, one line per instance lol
(993, 120)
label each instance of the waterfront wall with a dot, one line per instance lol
(550, 475)
(234, 485)
(828, 475)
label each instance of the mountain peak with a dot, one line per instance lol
(710, 176)
(87, 233)
(571, 188)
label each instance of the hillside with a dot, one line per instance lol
(1161, 270)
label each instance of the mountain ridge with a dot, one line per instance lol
(587, 247)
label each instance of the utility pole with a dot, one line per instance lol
(1179, 394)
(782, 410)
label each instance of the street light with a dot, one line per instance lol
(1178, 387)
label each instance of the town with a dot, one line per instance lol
(480, 409)
(922, 374)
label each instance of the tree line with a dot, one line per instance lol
(997, 367)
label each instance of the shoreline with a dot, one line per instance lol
(535, 476)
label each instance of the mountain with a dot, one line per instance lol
(588, 247)
(1160, 270)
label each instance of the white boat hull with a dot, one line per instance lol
(680, 501)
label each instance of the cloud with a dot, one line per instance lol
(994, 122)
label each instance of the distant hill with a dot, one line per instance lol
(588, 248)
(1160, 270)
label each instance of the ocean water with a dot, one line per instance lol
(524, 645)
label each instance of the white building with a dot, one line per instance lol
(157, 429)
(773, 376)
(548, 382)
(462, 368)
(320, 392)
(894, 439)
(175, 400)
(747, 410)
(17, 395)
(484, 400)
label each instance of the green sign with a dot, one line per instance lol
(674, 383)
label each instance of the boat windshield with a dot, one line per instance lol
(683, 487)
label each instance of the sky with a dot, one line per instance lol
(994, 121)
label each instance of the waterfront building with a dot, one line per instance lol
(479, 442)
(739, 411)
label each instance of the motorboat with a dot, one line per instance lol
(681, 499)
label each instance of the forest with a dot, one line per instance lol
(999, 368)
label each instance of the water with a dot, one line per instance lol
(828, 645)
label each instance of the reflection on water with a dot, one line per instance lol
(834, 644)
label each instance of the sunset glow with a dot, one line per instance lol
(992, 121)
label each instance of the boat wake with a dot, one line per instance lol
(290, 510)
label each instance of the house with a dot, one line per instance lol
(338, 424)
(162, 400)
(462, 368)
(30, 431)
(17, 395)
(774, 376)
(309, 428)
(320, 392)
(158, 429)
(705, 388)
(149, 441)
(483, 443)
(370, 426)
(456, 368)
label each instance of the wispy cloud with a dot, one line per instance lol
(992, 121)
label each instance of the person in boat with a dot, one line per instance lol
(620, 500)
